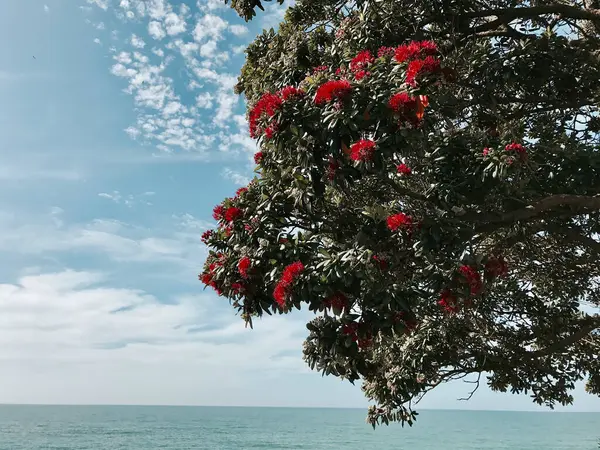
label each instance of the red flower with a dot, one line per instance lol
(518, 149)
(351, 329)
(413, 50)
(218, 212)
(232, 213)
(486, 151)
(243, 266)
(336, 301)
(496, 267)
(419, 67)
(404, 169)
(320, 69)
(361, 60)
(206, 236)
(399, 221)
(292, 272)
(362, 150)
(448, 301)
(267, 106)
(385, 51)
(270, 130)
(284, 287)
(206, 278)
(238, 288)
(290, 92)
(332, 168)
(241, 191)
(332, 90)
(402, 103)
(472, 278)
(258, 157)
(360, 74)
(381, 262)
(280, 294)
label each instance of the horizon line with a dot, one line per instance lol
(133, 405)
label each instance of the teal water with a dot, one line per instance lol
(145, 428)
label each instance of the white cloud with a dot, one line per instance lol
(238, 49)
(238, 30)
(75, 330)
(208, 50)
(103, 4)
(137, 42)
(46, 9)
(204, 100)
(236, 177)
(155, 30)
(210, 26)
(97, 41)
(174, 24)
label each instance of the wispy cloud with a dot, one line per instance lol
(69, 321)
(183, 44)
(46, 9)
(128, 200)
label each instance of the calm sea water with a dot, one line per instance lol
(144, 428)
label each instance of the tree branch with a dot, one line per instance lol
(566, 342)
(576, 202)
(508, 14)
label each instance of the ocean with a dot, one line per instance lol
(216, 428)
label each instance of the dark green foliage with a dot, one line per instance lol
(511, 73)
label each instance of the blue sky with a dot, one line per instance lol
(116, 141)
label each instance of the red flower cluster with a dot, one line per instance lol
(320, 69)
(399, 221)
(517, 148)
(290, 92)
(419, 67)
(241, 191)
(448, 301)
(232, 214)
(472, 278)
(359, 64)
(270, 130)
(218, 212)
(208, 277)
(360, 74)
(284, 287)
(496, 267)
(332, 90)
(351, 329)
(258, 157)
(267, 106)
(238, 288)
(414, 50)
(361, 60)
(206, 236)
(486, 151)
(381, 262)
(403, 169)
(336, 301)
(385, 51)
(402, 103)
(332, 167)
(362, 150)
(243, 266)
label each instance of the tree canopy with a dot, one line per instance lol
(428, 183)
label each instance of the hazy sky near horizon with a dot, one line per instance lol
(119, 132)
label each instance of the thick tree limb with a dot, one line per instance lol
(566, 342)
(558, 8)
(576, 202)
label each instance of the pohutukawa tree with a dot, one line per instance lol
(429, 185)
